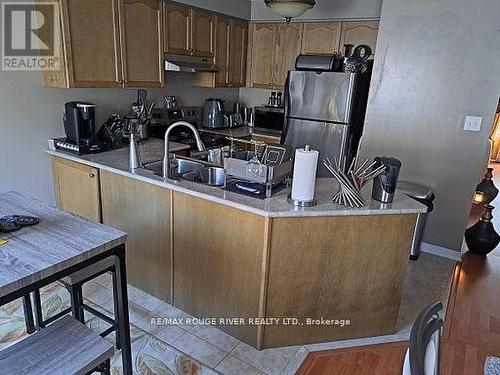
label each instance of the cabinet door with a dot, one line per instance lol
(203, 29)
(77, 188)
(263, 53)
(143, 211)
(92, 43)
(238, 53)
(356, 33)
(141, 43)
(218, 252)
(222, 51)
(321, 37)
(177, 29)
(289, 42)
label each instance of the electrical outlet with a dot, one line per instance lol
(473, 123)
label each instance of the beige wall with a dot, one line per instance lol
(435, 65)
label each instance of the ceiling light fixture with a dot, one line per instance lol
(290, 8)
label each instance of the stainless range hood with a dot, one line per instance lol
(189, 64)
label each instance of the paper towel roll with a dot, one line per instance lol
(304, 174)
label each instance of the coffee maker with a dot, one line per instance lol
(79, 126)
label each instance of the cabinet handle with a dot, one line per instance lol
(91, 175)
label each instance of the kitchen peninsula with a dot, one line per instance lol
(214, 253)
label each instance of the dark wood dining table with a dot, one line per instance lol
(58, 246)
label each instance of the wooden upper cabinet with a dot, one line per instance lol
(91, 36)
(238, 53)
(359, 32)
(289, 42)
(263, 50)
(203, 34)
(141, 43)
(222, 51)
(177, 29)
(231, 43)
(321, 37)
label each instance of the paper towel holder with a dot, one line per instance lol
(301, 203)
(297, 203)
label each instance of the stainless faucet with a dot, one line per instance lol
(166, 157)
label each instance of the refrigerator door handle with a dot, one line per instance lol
(287, 104)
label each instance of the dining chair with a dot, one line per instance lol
(422, 357)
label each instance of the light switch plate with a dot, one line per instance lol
(473, 123)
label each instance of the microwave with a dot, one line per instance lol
(269, 119)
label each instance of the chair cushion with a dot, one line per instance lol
(492, 366)
(429, 362)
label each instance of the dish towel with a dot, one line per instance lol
(492, 366)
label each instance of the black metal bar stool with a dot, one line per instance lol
(74, 285)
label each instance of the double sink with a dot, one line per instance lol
(191, 170)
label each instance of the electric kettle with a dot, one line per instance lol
(213, 114)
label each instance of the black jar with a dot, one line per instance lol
(482, 238)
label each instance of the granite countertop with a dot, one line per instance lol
(277, 206)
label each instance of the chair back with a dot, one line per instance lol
(425, 341)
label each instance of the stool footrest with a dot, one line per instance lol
(65, 347)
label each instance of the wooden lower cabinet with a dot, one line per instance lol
(218, 258)
(143, 211)
(216, 261)
(77, 188)
(234, 264)
(346, 267)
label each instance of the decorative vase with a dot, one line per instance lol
(487, 187)
(482, 238)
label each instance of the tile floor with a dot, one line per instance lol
(203, 350)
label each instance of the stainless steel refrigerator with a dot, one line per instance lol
(326, 110)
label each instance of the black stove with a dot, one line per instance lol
(183, 136)
(187, 138)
